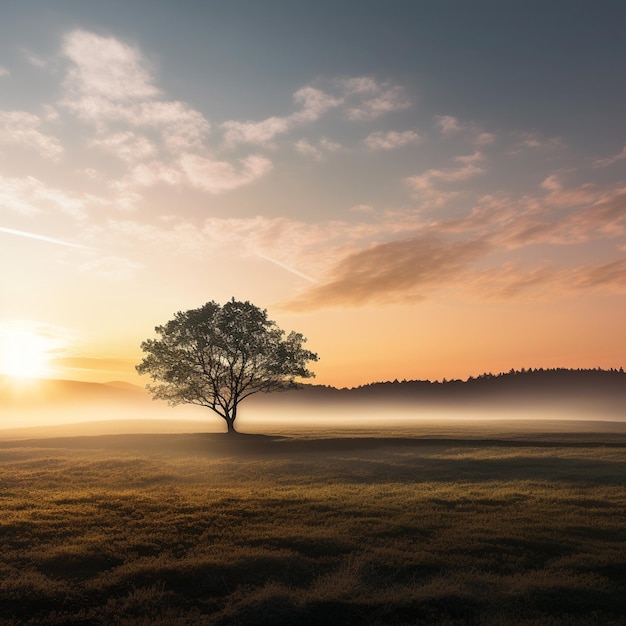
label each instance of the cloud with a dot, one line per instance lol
(447, 124)
(201, 172)
(532, 220)
(106, 68)
(363, 98)
(34, 59)
(391, 272)
(50, 114)
(219, 176)
(604, 218)
(19, 128)
(562, 216)
(108, 83)
(148, 175)
(4, 71)
(29, 196)
(424, 185)
(467, 170)
(309, 248)
(611, 275)
(313, 102)
(259, 133)
(510, 282)
(560, 196)
(391, 139)
(181, 126)
(533, 141)
(360, 85)
(610, 160)
(490, 214)
(325, 145)
(127, 146)
(483, 138)
(305, 147)
(374, 100)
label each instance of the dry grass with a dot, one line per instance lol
(197, 530)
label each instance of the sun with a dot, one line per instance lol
(23, 353)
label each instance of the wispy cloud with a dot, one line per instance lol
(306, 147)
(391, 272)
(449, 125)
(323, 147)
(547, 280)
(534, 141)
(128, 146)
(510, 281)
(260, 133)
(19, 128)
(30, 196)
(391, 139)
(313, 104)
(363, 99)
(34, 59)
(424, 185)
(611, 275)
(373, 99)
(219, 176)
(451, 251)
(201, 172)
(4, 71)
(561, 216)
(612, 159)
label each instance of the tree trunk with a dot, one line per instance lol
(230, 422)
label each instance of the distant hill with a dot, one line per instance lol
(46, 392)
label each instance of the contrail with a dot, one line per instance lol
(22, 233)
(286, 267)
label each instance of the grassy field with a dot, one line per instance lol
(198, 529)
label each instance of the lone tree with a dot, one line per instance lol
(216, 356)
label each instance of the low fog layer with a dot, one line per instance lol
(539, 402)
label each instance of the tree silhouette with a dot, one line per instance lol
(216, 356)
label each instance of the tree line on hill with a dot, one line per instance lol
(531, 383)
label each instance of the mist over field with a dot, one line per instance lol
(588, 401)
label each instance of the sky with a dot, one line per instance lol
(423, 189)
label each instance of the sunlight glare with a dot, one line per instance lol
(23, 353)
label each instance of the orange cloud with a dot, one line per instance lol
(391, 272)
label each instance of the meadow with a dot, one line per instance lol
(205, 529)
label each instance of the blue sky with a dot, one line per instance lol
(455, 167)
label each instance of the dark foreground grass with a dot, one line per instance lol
(174, 530)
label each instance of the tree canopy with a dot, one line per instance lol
(216, 356)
